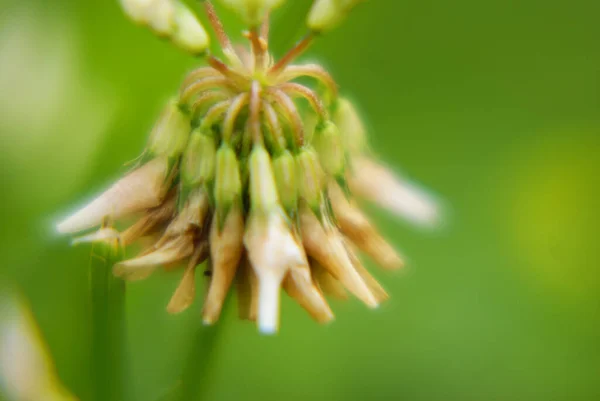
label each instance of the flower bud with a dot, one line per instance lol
(159, 15)
(328, 143)
(352, 130)
(285, 177)
(263, 191)
(189, 34)
(228, 184)
(198, 166)
(326, 14)
(171, 131)
(252, 11)
(310, 178)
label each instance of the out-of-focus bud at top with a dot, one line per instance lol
(352, 130)
(263, 191)
(198, 165)
(228, 184)
(170, 134)
(252, 11)
(189, 34)
(158, 14)
(328, 143)
(327, 14)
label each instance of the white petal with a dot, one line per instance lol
(141, 189)
(268, 303)
(380, 185)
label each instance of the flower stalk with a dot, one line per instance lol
(107, 297)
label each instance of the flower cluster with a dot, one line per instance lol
(254, 174)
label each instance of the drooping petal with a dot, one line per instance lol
(186, 290)
(378, 184)
(247, 291)
(141, 189)
(226, 247)
(326, 246)
(326, 282)
(355, 225)
(151, 221)
(299, 285)
(272, 250)
(141, 267)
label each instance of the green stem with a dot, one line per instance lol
(108, 323)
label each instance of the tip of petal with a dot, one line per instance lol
(268, 304)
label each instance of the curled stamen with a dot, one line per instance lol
(255, 104)
(309, 70)
(233, 111)
(225, 70)
(214, 113)
(199, 86)
(197, 74)
(292, 88)
(291, 113)
(274, 125)
(205, 99)
(294, 52)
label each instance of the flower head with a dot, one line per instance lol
(236, 177)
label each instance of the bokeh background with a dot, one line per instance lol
(494, 106)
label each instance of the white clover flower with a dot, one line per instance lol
(236, 177)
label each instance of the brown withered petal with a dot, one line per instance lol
(141, 189)
(326, 282)
(326, 246)
(226, 247)
(372, 181)
(247, 291)
(141, 267)
(299, 285)
(376, 288)
(355, 225)
(151, 221)
(189, 218)
(185, 293)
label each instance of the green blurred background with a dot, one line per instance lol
(492, 105)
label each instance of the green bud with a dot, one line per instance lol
(263, 191)
(170, 133)
(328, 143)
(189, 34)
(252, 12)
(228, 185)
(198, 165)
(310, 178)
(352, 130)
(159, 15)
(327, 14)
(285, 176)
